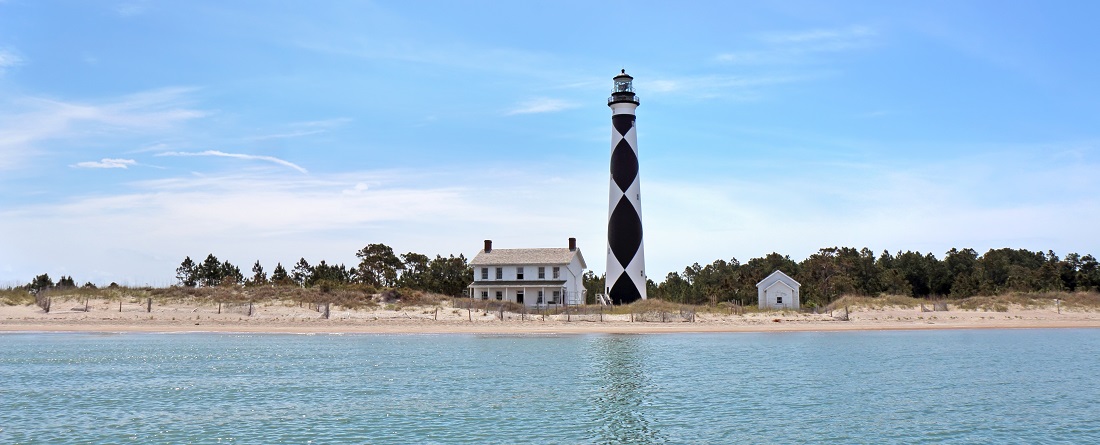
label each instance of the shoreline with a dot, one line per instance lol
(281, 319)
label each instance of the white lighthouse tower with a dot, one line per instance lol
(626, 281)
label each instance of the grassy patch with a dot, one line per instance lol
(881, 302)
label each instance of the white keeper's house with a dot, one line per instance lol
(778, 291)
(533, 277)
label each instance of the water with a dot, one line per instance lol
(965, 387)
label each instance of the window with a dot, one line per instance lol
(519, 273)
(500, 295)
(556, 296)
(778, 300)
(484, 295)
(484, 273)
(500, 273)
(539, 301)
(542, 273)
(557, 272)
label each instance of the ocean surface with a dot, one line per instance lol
(884, 387)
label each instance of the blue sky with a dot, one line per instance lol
(135, 133)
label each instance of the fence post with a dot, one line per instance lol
(470, 313)
(148, 305)
(119, 305)
(249, 308)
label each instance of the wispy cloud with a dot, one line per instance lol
(9, 58)
(794, 47)
(735, 87)
(222, 154)
(542, 105)
(816, 36)
(130, 9)
(28, 123)
(300, 129)
(106, 163)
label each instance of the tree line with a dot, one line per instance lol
(836, 271)
(379, 267)
(825, 276)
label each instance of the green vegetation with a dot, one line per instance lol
(837, 271)
(832, 277)
(379, 268)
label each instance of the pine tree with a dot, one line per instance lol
(279, 275)
(302, 273)
(186, 273)
(259, 277)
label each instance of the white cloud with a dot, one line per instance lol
(222, 154)
(542, 105)
(140, 236)
(106, 163)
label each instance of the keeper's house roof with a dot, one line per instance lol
(519, 257)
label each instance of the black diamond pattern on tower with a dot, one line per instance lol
(624, 165)
(624, 291)
(622, 122)
(624, 231)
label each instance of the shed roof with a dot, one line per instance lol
(778, 276)
(519, 257)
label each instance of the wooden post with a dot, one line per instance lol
(85, 304)
(327, 313)
(119, 305)
(249, 308)
(470, 313)
(148, 305)
(436, 316)
(1058, 304)
(601, 313)
(49, 302)
(219, 307)
(502, 312)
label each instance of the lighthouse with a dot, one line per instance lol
(626, 281)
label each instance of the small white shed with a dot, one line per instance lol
(778, 291)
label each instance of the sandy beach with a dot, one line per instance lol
(288, 317)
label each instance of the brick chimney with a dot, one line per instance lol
(488, 245)
(572, 244)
